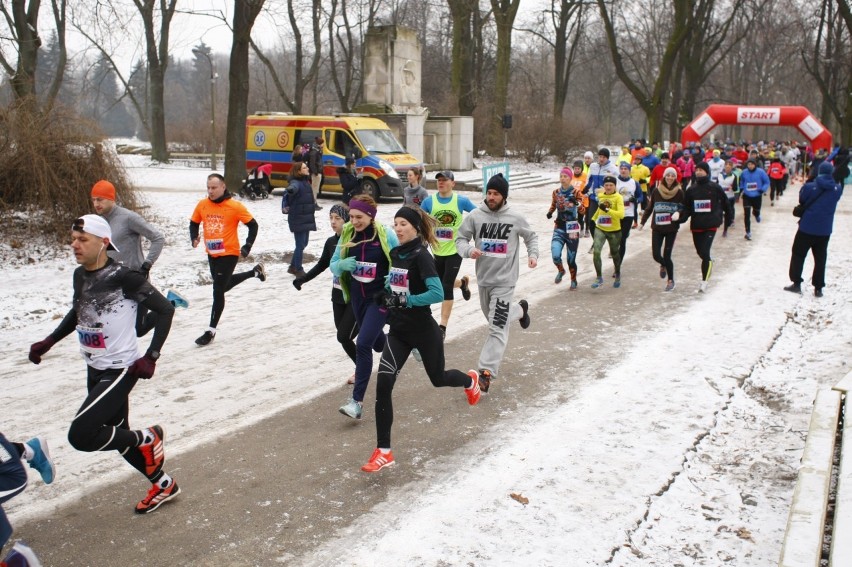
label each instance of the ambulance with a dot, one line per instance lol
(379, 157)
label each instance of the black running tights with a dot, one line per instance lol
(224, 278)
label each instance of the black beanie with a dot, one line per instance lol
(604, 152)
(703, 165)
(499, 184)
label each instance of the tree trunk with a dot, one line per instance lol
(25, 20)
(245, 13)
(462, 75)
(504, 16)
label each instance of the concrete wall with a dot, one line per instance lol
(392, 70)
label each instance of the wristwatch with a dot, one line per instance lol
(154, 354)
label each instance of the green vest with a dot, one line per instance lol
(449, 219)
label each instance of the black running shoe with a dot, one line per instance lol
(205, 339)
(465, 288)
(484, 380)
(260, 271)
(525, 318)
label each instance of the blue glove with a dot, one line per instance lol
(346, 264)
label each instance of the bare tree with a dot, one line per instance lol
(505, 12)
(467, 49)
(346, 48)
(245, 14)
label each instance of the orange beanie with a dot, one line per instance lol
(104, 190)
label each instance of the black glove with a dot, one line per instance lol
(37, 350)
(390, 300)
(145, 268)
(142, 368)
(604, 206)
(549, 214)
(244, 251)
(297, 283)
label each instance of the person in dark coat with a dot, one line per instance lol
(820, 196)
(841, 165)
(302, 205)
(350, 181)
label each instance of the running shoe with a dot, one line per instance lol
(473, 392)
(465, 288)
(573, 285)
(416, 354)
(378, 461)
(154, 451)
(41, 460)
(291, 269)
(748, 236)
(485, 380)
(559, 276)
(205, 339)
(757, 218)
(260, 272)
(351, 409)
(597, 283)
(670, 286)
(525, 318)
(156, 497)
(771, 204)
(663, 273)
(177, 299)
(617, 283)
(702, 287)
(21, 556)
(818, 292)
(795, 288)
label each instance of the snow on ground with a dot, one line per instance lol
(599, 492)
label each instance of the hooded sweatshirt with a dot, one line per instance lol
(753, 183)
(822, 193)
(497, 234)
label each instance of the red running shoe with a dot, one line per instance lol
(473, 392)
(153, 452)
(157, 496)
(378, 461)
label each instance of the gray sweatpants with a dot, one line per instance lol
(496, 304)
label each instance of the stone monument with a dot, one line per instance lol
(392, 69)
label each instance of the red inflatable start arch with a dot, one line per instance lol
(797, 116)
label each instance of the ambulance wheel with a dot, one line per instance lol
(371, 188)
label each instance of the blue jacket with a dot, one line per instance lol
(822, 193)
(753, 183)
(597, 172)
(300, 199)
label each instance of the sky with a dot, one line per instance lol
(671, 451)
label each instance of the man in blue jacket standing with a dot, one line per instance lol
(753, 183)
(820, 198)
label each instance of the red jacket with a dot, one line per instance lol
(777, 170)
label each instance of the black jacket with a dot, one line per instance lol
(706, 203)
(300, 199)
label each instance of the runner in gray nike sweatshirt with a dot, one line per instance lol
(496, 231)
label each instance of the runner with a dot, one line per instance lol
(717, 164)
(777, 173)
(706, 204)
(607, 220)
(103, 313)
(447, 208)
(642, 175)
(566, 227)
(496, 229)
(729, 183)
(414, 194)
(362, 261)
(344, 319)
(631, 193)
(753, 184)
(13, 477)
(412, 287)
(666, 199)
(221, 215)
(578, 182)
(597, 172)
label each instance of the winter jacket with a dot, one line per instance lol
(314, 159)
(300, 199)
(706, 204)
(754, 183)
(609, 220)
(822, 193)
(597, 172)
(385, 239)
(663, 209)
(497, 234)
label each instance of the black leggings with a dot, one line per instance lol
(347, 327)
(101, 422)
(665, 242)
(626, 225)
(224, 279)
(751, 205)
(703, 241)
(427, 339)
(448, 269)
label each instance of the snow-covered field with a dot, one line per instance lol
(682, 451)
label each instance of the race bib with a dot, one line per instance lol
(444, 234)
(365, 272)
(661, 219)
(494, 247)
(702, 205)
(604, 220)
(215, 245)
(91, 339)
(335, 282)
(751, 186)
(572, 227)
(398, 280)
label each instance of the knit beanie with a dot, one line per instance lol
(104, 190)
(604, 152)
(499, 184)
(340, 210)
(670, 170)
(567, 171)
(703, 166)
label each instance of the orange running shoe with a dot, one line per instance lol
(473, 392)
(157, 496)
(153, 452)
(378, 461)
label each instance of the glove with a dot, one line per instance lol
(244, 251)
(37, 350)
(142, 368)
(347, 264)
(675, 216)
(391, 300)
(604, 206)
(297, 283)
(145, 268)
